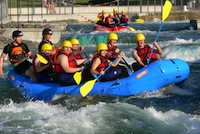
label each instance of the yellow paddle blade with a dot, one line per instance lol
(132, 29)
(139, 21)
(77, 77)
(166, 10)
(42, 59)
(97, 19)
(87, 87)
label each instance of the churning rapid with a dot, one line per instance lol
(168, 110)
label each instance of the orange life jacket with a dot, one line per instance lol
(16, 53)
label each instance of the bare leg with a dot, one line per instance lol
(30, 73)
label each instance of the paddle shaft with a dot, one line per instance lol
(108, 67)
(165, 14)
(154, 44)
(16, 64)
(127, 64)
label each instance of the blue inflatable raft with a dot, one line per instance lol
(150, 78)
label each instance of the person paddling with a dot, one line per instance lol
(100, 62)
(66, 65)
(17, 51)
(142, 53)
(44, 72)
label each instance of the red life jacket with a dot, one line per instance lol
(107, 20)
(123, 19)
(104, 63)
(101, 16)
(145, 52)
(48, 58)
(112, 49)
(71, 61)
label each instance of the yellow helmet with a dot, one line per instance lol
(111, 14)
(115, 9)
(75, 42)
(46, 47)
(112, 36)
(123, 11)
(67, 43)
(139, 37)
(103, 11)
(101, 46)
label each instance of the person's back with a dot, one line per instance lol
(109, 22)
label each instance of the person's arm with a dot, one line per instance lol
(38, 65)
(118, 60)
(3, 55)
(158, 48)
(81, 61)
(111, 21)
(63, 60)
(137, 58)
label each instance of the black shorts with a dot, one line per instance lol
(21, 68)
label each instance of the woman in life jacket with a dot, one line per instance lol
(66, 65)
(46, 36)
(100, 62)
(109, 22)
(101, 17)
(142, 53)
(44, 72)
(17, 51)
(124, 19)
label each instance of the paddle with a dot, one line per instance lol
(87, 87)
(15, 64)
(78, 75)
(42, 59)
(132, 29)
(165, 14)
(139, 21)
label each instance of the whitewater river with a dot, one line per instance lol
(170, 110)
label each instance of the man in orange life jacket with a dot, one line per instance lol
(100, 62)
(124, 19)
(46, 36)
(101, 17)
(109, 22)
(17, 51)
(142, 53)
(66, 65)
(44, 72)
